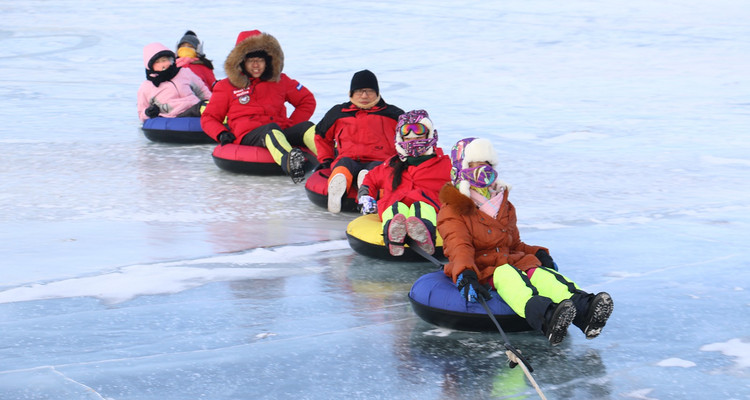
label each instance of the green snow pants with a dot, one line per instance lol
(530, 297)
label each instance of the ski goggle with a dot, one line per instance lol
(418, 129)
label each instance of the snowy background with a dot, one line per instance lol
(138, 270)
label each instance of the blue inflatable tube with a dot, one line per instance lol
(184, 130)
(435, 299)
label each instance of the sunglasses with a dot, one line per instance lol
(418, 129)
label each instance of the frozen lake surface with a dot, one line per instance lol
(135, 270)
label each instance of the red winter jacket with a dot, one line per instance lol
(206, 74)
(248, 103)
(361, 134)
(264, 105)
(418, 182)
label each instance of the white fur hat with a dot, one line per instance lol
(479, 150)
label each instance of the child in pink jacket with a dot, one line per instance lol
(169, 91)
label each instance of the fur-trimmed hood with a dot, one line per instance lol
(247, 42)
(450, 196)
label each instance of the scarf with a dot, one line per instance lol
(186, 52)
(488, 201)
(418, 160)
(158, 77)
(365, 106)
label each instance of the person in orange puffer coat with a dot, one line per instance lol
(485, 251)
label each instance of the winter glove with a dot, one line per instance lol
(368, 205)
(363, 190)
(226, 137)
(152, 111)
(323, 165)
(545, 258)
(469, 287)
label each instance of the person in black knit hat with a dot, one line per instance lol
(355, 136)
(364, 79)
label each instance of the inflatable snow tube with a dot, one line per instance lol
(365, 236)
(251, 160)
(317, 191)
(184, 130)
(435, 299)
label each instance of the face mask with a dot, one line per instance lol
(186, 52)
(480, 176)
(416, 147)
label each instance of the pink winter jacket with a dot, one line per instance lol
(185, 90)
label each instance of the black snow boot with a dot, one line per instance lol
(551, 319)
(557, 320)
(593, 312)
(293, 164)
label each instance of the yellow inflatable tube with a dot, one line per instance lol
(365, 236)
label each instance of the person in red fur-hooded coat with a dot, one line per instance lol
(252, 99)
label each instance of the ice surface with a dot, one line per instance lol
(139, 270)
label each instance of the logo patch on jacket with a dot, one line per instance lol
(243, 95)
(299, 87)
(240, 92)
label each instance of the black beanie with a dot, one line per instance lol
(364, 80)
(160, 54)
